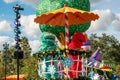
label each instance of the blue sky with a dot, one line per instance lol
(108, 10)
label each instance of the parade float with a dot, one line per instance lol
(64, 47)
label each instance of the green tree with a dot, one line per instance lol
(27, 64)
(109, 45)
(1, 71)
(110, 48)
(1, 66)
(30, 67)
(118, 70)
(7, 55)
(25, 47)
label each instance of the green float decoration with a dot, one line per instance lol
(52, 58)
(49, 57)
(49, 5)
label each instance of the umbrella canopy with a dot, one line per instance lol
(106, 68)
(14, 77)
(57, 17)
(64, 17)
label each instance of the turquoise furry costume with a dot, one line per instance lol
(47, 67)
(47, 42)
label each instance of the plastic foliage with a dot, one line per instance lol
(46, 53)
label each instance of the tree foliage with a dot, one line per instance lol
(109, 45)
(27, 65)
(1, 66)
(30, 67)
(25, 47)
(118, 70)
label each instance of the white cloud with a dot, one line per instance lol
(7, 39)
(117, 22)
(5, 26)
(97, 2)
(108, 0)
(106, 19)
(34, 45)
(33, 3)
(108, 23)
(9, 1)
(29, 26)
(94, 2)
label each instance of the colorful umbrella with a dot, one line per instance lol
(106, 68)
(64, 17)
(14, 77)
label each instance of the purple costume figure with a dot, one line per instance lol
(95, 59)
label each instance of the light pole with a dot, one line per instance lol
(18, 54)
(5, 47)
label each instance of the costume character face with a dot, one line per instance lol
(77, 41)
(47, 39)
